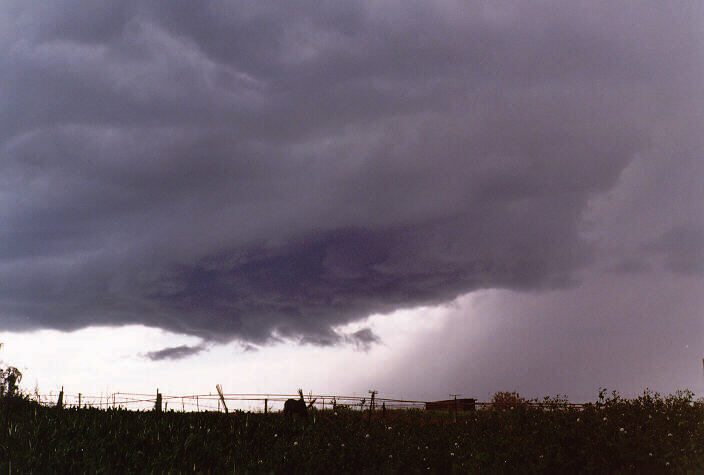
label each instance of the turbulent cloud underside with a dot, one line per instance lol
(236, 170)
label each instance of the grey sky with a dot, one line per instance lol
(233, 170)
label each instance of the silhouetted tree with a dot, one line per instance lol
(506, 399)
(10, 378)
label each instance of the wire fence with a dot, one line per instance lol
(259, 402)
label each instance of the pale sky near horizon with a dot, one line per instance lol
(421, 198)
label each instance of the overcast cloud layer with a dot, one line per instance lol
(239, 170)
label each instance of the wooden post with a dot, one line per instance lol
(222, 396)
(60, 402)
(79, 400)
(371, 403)
(157, 404)
(266, 406)
(183, 406)
(197, 405)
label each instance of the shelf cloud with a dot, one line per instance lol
(257, 172)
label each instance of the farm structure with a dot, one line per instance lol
(465, 404)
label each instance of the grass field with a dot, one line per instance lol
(647, 434)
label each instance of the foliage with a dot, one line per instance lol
(651, 434)
(506, 399)
(10, 378)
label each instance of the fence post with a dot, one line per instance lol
(266, 406)
(157, 404)
(60, 402)
(222, 396)
(79, 400)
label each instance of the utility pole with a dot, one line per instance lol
(372, 392)
(371, 403)
(455, 396)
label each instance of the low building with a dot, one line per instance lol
(465, 404)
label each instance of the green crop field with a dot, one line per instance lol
(647, 434)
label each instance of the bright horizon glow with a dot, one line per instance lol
(99, 361)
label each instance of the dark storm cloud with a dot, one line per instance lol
(364, 338)
(175, 353)
(235, 170)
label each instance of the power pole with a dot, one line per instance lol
(455, 396)
(371, 403)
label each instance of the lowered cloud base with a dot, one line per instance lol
(236, 171)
